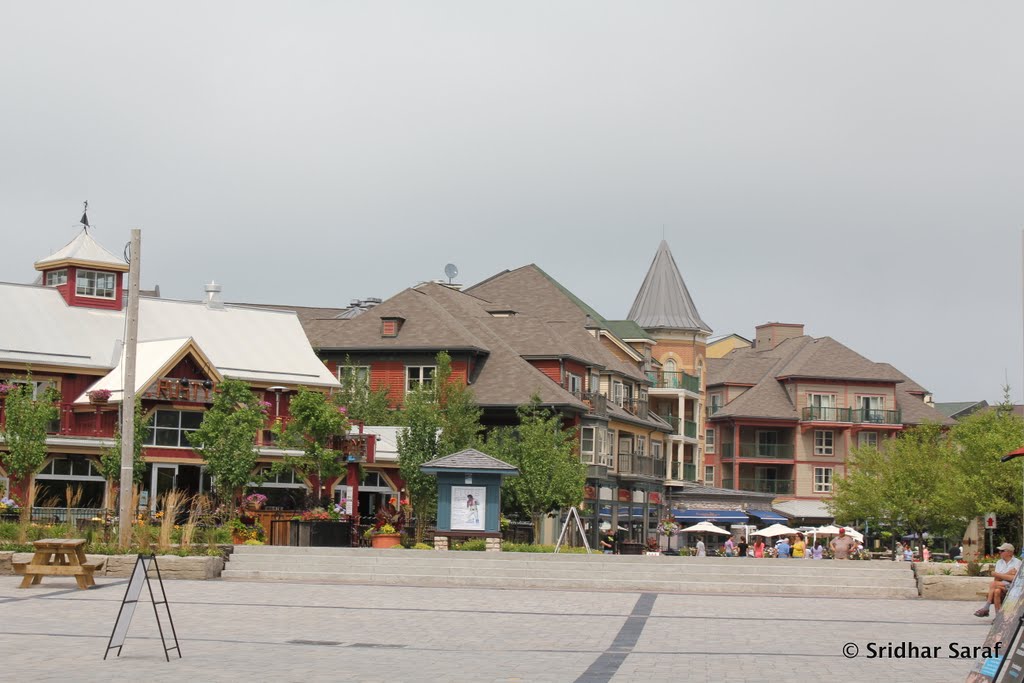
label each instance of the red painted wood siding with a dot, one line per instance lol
(551, 368)
(90, 302)
(391, 375)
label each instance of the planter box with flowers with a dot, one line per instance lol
(99, 395)
(9, 508)
(320, 528)
(254, 501)
(386, 531)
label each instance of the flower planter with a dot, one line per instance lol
(385, 540)
(98, 401)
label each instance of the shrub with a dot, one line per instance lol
(474, 544)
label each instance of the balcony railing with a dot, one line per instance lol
(869, 415)
(766, 450)
(690, 429)
(674, 380)
(636, 406)
(672, 420)
(641, 465)
(596, 403)
(756, 450)
(766, 485)
(684, 471)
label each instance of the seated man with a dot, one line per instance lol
(1004, 572)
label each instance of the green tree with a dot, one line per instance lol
(317, 423)
(110, 459)
(551, 475)
(226, 439)
(28, 418)
(417, 444)
(904, 484)
(982, 483)
(438, 420)
(460, 416)
(366, 405)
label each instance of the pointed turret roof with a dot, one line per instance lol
(663, 300)
(83, 251)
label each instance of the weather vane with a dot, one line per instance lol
(85, 217)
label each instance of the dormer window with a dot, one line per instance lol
(55, 278)
(95, 283)
(389, 327)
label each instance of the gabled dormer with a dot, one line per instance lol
(85, 273)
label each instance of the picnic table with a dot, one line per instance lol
(57, 557)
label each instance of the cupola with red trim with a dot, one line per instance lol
(85, 273)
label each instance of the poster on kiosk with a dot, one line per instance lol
(468, 507)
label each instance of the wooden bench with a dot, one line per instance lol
(57, 557)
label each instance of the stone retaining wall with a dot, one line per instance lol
(939, 587)
(120, 566)
(953, 569)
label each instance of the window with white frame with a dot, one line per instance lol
(618, 392)
(824, 442)
(595, 383)
(656, 450)
(95, 283)
(55, 278)
(716, 403)
(822, 479)
(284, 490)
(419, 375)
(709, 475)
(709, 440)
(821, 406)
(641, 445)
(82, 474)
(358, 374)
(607, 438)
(168, 428)
(39, 386)
(872, 408)
(867, 439)
(587, 444)
(574, 382)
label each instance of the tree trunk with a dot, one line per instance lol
(536, 527)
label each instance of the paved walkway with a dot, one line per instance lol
(232, 631)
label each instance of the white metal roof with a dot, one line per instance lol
(256, 345)
(151, 357)
(83, 248)
(386, 449)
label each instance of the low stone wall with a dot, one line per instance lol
(196, 567)
(940, 587)
(947, 569)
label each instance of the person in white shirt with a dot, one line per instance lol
(1005, 570)
(701, 552)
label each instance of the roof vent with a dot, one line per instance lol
(213, 300)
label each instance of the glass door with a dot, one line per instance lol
(165, 479)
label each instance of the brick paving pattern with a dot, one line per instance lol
(264, 631)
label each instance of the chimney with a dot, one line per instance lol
(770, 335)
(213, 300)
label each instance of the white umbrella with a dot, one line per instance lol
(833, 530)
(775, 530)
(705, 528)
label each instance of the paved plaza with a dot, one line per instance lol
(266, 631)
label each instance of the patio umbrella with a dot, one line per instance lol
(775, 530)
(705, 528)
(833, 530)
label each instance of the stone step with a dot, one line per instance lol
(580, 583)
(597, 571)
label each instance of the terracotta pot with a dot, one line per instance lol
(98, 400)
(385, 540)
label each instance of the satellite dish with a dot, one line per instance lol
(451, 271)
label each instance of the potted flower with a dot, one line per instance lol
(99, 395)
(5, 389)
(9, 507)
(386, 531)
(254, 501)
(244, 530)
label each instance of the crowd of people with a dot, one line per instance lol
(798, 546)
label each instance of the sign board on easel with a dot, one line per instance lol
(573, 515)
(140, 578)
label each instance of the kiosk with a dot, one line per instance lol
(468, 496)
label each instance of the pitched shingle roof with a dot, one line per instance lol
(663, 300)
(469, 459)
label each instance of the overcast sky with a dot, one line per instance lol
(856, 167)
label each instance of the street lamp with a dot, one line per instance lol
(1007, 458)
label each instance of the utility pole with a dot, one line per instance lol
(126, 514)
